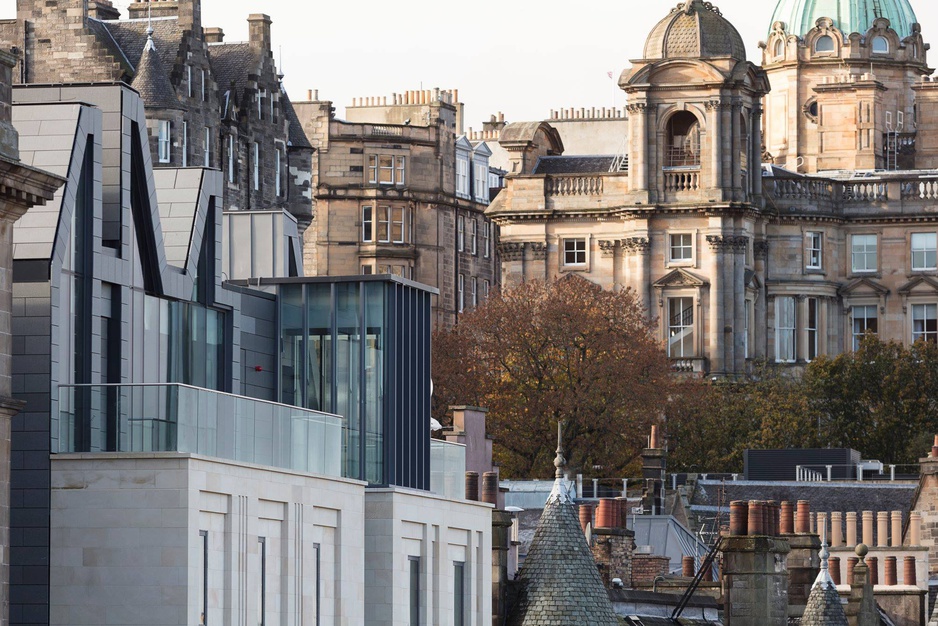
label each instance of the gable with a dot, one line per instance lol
(680, 278)
(863, 286)
(925, 285)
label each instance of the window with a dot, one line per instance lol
(473, 292)
(486, 287)
(486, 239)
(278, 177)
(785, 329)
(262, 587)
(683, 149)
(863, 253)
(185, 144)
(779, 48)
(386, 169)
(318, 550)
(747, 328)
(461, 233)
(680, 327)
(813, 251)
(189, 80)
(397, 224)
(924, 251)
(260, 105)
(574, 251)
(474, 237)
(164, 140)
(925, 322)
(257, 166)
(682, 248)
(231, 159)
(811, 326)
(825, 43)
(480, 182)
(271, 102)
(462, 177)
(202, 83)
(414, 591)
(461, 294)
(367, 270)
(207, 147)
(880, 45)
(865, 320)
(367, 223)
(459, 594)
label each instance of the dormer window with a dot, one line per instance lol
(824, 43)
(880, 45)
(779, 48)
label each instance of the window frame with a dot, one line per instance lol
(462, 177)
(486, 239)
(204, 98)
(278, 179)
(814, 250)
(791, 331)
(474, 291)
(875, 40)
(460, 599)
(185, 144)
(368, 224)
(164, 141)
(567, 251)
(927, 334)
(257, 166)
(461, 233)
(486, 288)
(461, 293)
(689, 247)
(480, 182)
(812, 328)
(865, 252)
(925, 252)
(858, 336)
(681, 326)
(474, 237)
(188, 81)
(207, 146)
(415, 595)
(817, 42)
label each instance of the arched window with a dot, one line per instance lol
(779, 48)
(683, 149)
(825, 43)
(880, 45)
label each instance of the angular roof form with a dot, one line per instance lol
(574, 165)
(849, 16)
(560, 582)
(824, 607)
(152, 82)
(694, 30)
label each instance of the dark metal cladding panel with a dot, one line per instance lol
(782, 464)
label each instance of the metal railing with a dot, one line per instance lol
(181, 418)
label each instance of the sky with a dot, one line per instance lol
(519, 57)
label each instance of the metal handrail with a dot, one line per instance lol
(698, 578)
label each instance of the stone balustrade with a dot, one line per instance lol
(573, 185)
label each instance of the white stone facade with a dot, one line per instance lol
(130, 532)
(402, 526)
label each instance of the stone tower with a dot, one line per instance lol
(842, 76)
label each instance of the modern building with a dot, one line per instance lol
(743, 249)
(23, 188)
(399, 189)
(166, 467)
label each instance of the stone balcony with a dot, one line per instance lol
(895, 195)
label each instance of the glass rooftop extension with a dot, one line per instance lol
(181, 418)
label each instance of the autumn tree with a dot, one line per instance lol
(566, 350)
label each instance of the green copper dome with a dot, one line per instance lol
(850, 16)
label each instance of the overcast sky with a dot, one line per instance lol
(520, 57)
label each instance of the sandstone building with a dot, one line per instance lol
(742, 247)
(399, 189)
(209, 103)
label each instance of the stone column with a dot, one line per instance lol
(713, 120)
(740, 245)
(755, 142)
(638, 131)
(717, 313)
(760, 306)
(726, 149)
(638, 249)
(736, 139)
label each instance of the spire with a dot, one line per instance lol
(561, 491)
(824, 607)
(151, 80)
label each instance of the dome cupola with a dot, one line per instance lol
(849, 16)
(695, 30)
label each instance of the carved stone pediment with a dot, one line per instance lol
(863, 286)
(680, 278)
(920, 285)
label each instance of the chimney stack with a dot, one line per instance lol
(214, 35)
(259, 31)
(654, 462)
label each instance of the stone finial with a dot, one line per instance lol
(561, 491)
(559, 461)
(934, 448)
(862, 550)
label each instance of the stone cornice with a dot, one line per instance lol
(22, 187)
(726, 243)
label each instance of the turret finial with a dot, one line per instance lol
(560, 462)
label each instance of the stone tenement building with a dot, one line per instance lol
(209, 103)
(744, 249)
(398, 189)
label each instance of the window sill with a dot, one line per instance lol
(687, 263)
(865, 274)
(574, 268)
(817, 271)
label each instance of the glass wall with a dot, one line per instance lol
(360, 348)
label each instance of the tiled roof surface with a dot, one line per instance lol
(297, 137)
(152, 82)
(573, 164)
(560, 582)
(126, 39)
(694, 29)
(234, 64)
(824, 607)
(827, 497)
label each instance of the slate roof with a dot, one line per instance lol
(127, 38)
(646, 620)
(593, 164)
(559, 581)
(832, 496)
(824, 607)
(152, 82)
(234, 64)
(296, 136)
